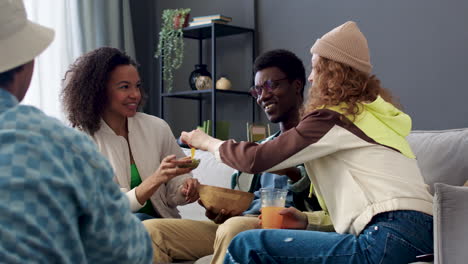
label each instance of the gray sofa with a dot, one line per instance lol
(443, 159)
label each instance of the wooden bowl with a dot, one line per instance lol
(217, 198)
(194, 164)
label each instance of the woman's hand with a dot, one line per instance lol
(190, 190)
(293, 218)
(198, 139)
(167, 170)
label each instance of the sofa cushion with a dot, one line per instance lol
(442, 155)
(450, 223)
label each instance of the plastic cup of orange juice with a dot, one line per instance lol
(273, 200)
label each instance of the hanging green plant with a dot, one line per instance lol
(171, 43)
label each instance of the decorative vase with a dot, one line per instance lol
(223, 84)
(203, 83)
(200, 70)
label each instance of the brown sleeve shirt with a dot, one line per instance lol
(357, 176)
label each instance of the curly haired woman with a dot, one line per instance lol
(352, 143)
(101, 95)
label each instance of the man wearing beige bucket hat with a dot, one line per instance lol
(352, 143)
(58, 201)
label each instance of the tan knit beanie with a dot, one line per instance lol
(345, 44)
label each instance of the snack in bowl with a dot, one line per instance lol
(217, 198)
(193, 164)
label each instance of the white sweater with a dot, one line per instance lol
(151, 140)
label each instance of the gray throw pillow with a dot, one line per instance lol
(450, 224)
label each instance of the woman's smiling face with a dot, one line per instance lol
(123, 91)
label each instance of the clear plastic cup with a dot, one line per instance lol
(273, 200)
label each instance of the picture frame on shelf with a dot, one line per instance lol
(257, 132)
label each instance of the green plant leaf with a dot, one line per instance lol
(171, 43)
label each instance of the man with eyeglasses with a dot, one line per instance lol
(279, 87)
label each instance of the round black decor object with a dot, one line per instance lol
(200, 70)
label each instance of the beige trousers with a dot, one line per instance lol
(185, 239)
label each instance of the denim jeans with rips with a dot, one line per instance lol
(390, 238)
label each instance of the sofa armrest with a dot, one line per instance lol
(450, 223)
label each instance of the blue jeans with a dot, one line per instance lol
(390, 238)
(143, 216)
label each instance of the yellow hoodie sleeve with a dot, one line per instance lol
(319, 221)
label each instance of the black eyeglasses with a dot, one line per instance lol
(269, 85)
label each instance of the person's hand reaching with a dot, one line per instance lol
(199, 140)
(190, 190)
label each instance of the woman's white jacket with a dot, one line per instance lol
(150, 140)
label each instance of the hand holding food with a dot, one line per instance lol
(168, 169)
(198, 139)
(192, 164)
(171, 167)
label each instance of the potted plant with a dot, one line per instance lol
(171, 43)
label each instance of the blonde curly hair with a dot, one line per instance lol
(335, 83)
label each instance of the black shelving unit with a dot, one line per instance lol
(200, 33)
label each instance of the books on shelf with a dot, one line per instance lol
(213, 17)
(207, 22)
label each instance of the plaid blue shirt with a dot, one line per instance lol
(58, 202)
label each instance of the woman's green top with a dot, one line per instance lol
(135, 180)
